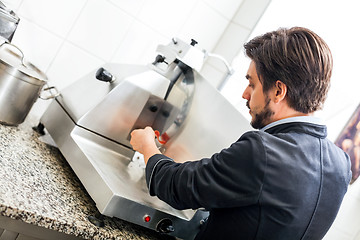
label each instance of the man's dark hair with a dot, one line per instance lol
(297, 57)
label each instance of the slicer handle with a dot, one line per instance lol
(103, 75)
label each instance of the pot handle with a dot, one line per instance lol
(22, 54)
(52, 95)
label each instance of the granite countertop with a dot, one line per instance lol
(38, 186)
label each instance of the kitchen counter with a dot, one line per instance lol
(37, 186)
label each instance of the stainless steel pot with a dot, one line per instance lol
(20, 85)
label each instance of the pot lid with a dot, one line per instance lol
(17, 65)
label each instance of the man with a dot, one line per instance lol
(285, 181)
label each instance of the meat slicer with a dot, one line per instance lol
(91, 121)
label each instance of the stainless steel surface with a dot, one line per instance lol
(91, 121)
(8, 22)
(20, 85)
(113, 177)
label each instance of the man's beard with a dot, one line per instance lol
(261, 119)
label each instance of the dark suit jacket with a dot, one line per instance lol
(283, 183)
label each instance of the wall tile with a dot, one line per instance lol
(226, 8)
(38, 45)
(132, 7)
(205, 25)
(100, 28)
(56, 16)
(250, 12)
(166, 17)
(231, 43)
(70, 64)
(139, 45)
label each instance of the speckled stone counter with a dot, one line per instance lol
(37, 186)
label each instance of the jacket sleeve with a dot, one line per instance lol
(230, 178)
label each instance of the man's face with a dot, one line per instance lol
(257, 101)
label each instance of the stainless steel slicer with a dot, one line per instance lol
(91, 121)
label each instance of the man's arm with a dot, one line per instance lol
(232, 177)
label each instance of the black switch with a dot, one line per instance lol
(103, 75)
(165, 226)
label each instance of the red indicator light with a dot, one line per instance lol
(147, 218)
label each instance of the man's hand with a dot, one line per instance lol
(143, 141)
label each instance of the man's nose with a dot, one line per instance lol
(246, 94)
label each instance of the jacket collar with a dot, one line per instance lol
(306, 124)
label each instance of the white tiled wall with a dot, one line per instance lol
(67, 39)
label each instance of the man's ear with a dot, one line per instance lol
(280, 91)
